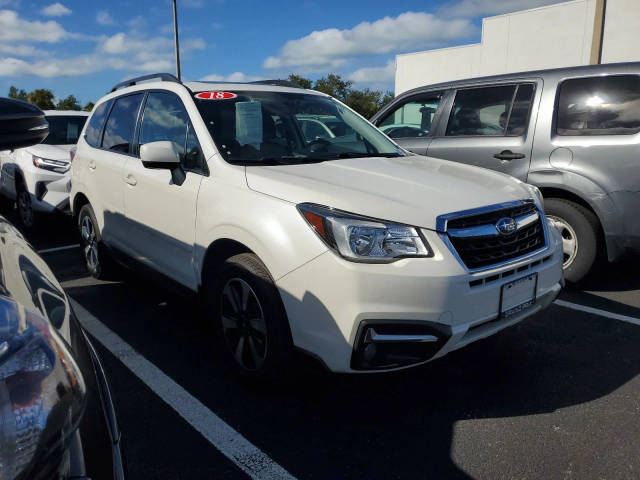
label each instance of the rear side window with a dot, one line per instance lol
(491, 111)
(118, 133)
(64, 129)
(94, 128)
(599, 106)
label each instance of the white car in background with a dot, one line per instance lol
(37, 177)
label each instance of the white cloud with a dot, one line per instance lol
(475, 8)
(233, 77)
(13, 28)
(374, 76)
(331, 48)
(59, 67)
(103, 17)
(21, 50)
(56, 10)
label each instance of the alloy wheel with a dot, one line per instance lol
(569, 240)
(25, 209)
(243, 324)
(88, 233)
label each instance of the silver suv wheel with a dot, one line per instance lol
(569, 240)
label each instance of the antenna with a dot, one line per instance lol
(175, 34)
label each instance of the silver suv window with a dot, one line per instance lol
(412, 119)
(491, 111)
(599, 106)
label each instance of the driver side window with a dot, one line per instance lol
(412, 119)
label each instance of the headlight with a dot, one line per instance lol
(53, 165)
(42, 393)
(363, 239)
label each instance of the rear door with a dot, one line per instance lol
(411, 121)
(490, 126)
(160, 215)
(106, 162)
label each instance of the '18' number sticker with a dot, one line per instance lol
(215, 95)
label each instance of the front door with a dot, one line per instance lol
(161, 215)
(490, 126)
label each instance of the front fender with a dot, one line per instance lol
(599, 201)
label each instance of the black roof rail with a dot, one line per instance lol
(276, 83)
(165, 77)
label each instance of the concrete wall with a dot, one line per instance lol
(547, 37)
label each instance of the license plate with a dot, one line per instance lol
(518, 295)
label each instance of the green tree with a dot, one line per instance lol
(333, 85)
(69, 103)
(17, 94)
(300, 81)
(88, 107)
(42, 97)
(366, 102)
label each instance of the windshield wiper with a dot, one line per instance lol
(338, 156)
(284, 160)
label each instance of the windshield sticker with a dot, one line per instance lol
(249, 122)
(215, 95)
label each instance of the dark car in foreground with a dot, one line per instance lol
(57, 419)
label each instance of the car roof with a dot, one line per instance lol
(557, 73)
(54, 113)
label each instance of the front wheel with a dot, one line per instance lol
(250, 318)
(25, 209)
(579, 228)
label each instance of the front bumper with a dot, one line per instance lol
(49, 190)
(328, 300)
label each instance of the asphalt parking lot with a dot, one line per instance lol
(557, 396)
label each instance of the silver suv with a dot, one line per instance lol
(572, 132)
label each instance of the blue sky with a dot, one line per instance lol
(83, 48)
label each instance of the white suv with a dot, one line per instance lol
(37, 177)
(340, 244)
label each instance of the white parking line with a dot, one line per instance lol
(232, 444)
(597, 311)
(58, 249)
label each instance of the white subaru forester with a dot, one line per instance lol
(302, 226)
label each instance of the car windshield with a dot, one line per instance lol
(262, 127)
(64, 129)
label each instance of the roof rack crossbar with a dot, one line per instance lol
(165, 77)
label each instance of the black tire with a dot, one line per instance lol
(273, 346)
(103, 266)
(26, 215)
(585, 225)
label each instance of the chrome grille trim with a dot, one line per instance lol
(524, 221)
(490, 230)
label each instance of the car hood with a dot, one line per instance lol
(414, 190)
(52, 152)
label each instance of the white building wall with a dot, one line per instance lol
(547, 37)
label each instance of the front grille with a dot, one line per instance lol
(491, 249)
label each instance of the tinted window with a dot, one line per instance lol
(94, 128)
(64, 130)
(165, 119)
(193, 158)
(411, 119)
(599, 106)
(486, 111)
(118, 133)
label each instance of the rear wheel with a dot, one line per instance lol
(25, 208)
(579, 228)
(96, 256)
(250, 318)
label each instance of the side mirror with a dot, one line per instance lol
(21, 124)
(163, 154)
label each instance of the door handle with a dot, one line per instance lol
(92, 165)
(508, 155)
(130, 180)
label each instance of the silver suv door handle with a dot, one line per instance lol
(508, 155)
(130, 180)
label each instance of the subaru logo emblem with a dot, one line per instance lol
(506, 226)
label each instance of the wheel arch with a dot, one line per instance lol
(583, 191)
(79, 201)
(216, 254)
